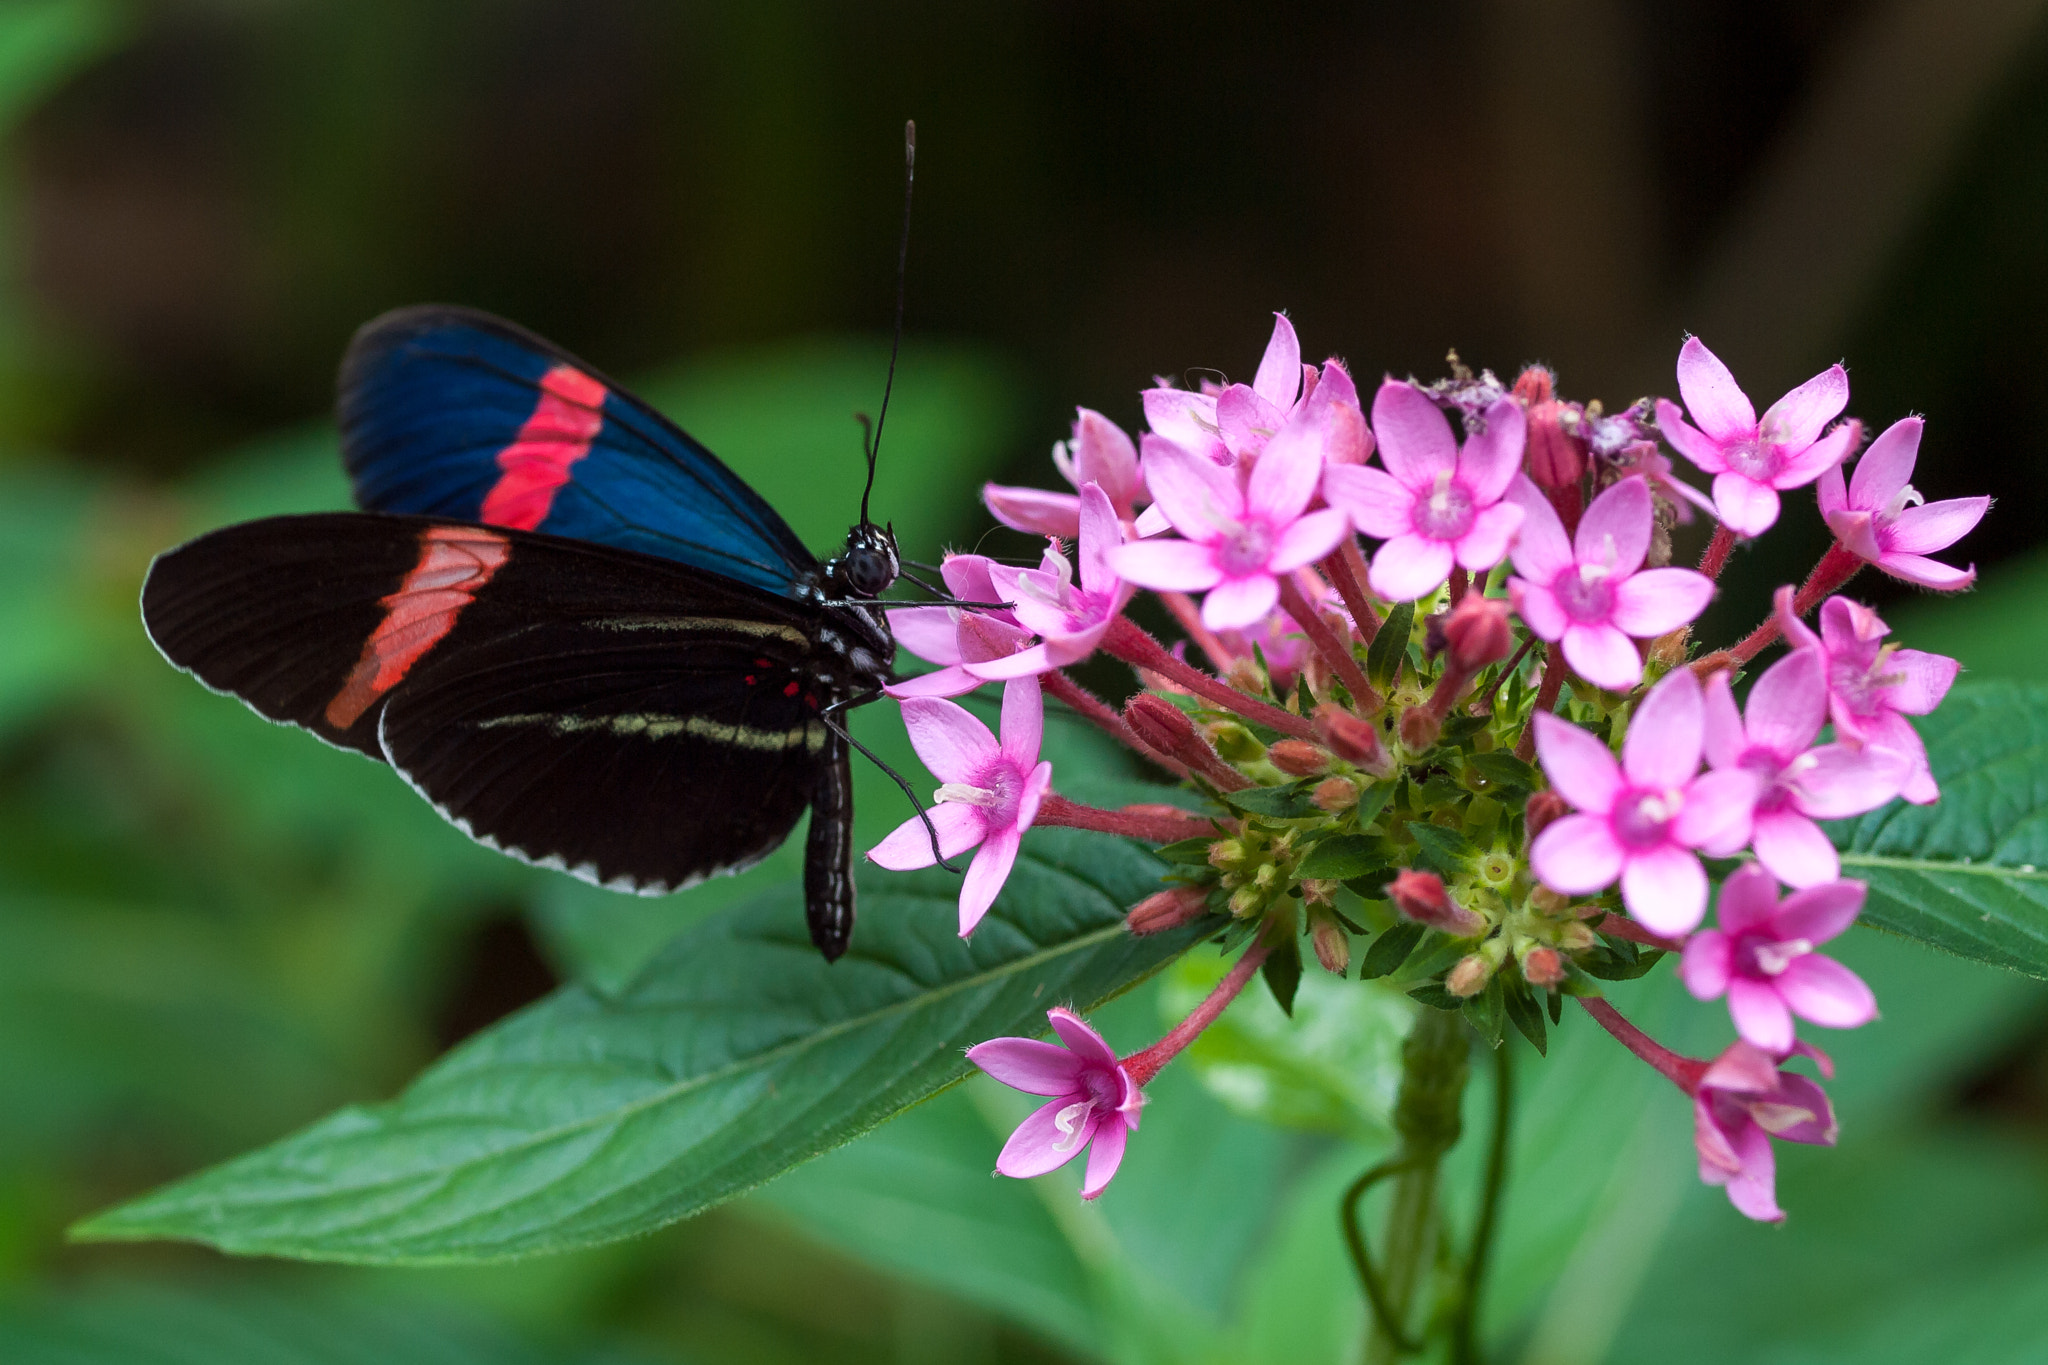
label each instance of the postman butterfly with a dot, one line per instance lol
(584, 640)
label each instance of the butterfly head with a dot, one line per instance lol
(868, 565)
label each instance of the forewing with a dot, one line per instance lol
(450, 412)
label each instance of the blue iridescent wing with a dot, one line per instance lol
(451, 412)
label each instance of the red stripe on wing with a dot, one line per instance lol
(455, 563)
(565, 421)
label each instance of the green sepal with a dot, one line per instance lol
(1389, 648)
(1390, 950)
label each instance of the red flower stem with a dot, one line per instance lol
(1151, 823)
(1683, 1072)
(1460, 581)
(1484, 705)
(1716, 557)
(1570, 505)
(1085, 703)
(1835, 569)
(1620, 926)
(1189, 616)
(1346, 569)
(1546, 699)
(1131, 644)
(1143, 1066)
(1364, 700)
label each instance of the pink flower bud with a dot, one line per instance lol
(1543, 807)
(1351, 739)
(1543, 967)
(1297, 757)
(1469, 977)
(1419, 728)
(1334, 794)
(1168, 909)
(1421, 897)
(1477, 633)
(1333, 948)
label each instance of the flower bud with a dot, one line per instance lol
(1477, 633)
(1421, 897)
(1333, 794)
(1419, 728)
(1168, 909)
(1346, 437)
(1226, 854)
(1234, 741)
(1351, 739)
(1543, 966)
(1534, 385)
(1246, 901)
(1575, 936)
(1245, 676)
(1544, 808)
(1297, 757)
(1332, 945)
(1469, 977)
(1161, 724)
(1549, 902)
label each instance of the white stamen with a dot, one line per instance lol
(1073, 1121)
(1779, 1118)
(1773, 958)
(960, 793)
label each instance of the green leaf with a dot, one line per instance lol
(1341, 857)
(1383, 657)
(1966, 874)
(1390, 950)
(1443, 850)
(1294, 801)
(1436, 997)
(1504, 769)
(1527, 1016)
(1190, 852)
(1372, 801)
(1282, 970)
(737, 1054)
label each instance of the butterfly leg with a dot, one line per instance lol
(828, 854)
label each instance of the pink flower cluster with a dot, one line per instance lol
(1254, 497)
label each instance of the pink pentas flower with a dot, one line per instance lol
(1873, 686)
(1070, 618)
(990, 793)
(1239, 536)
(955, 636)
(1099, 453)
(1880, 518)
(1591, 591)
(1752, 460)
(1095, 1103)
(1797, 783)
(1235, 421)
(1641, 819)
(1762, 958)
(1435, 504)
(1743, 1101)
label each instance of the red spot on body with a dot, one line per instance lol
(455, 562)
(792, 689)
(558, 434)
(761, 663)
(751, 680)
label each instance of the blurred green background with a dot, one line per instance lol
(213, 931)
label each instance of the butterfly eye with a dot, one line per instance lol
(868, 572)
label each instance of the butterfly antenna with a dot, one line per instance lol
(874, 446)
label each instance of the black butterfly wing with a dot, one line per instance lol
(627, 719)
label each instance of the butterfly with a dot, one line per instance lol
(584, 640)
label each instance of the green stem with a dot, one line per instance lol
(1465, 1328)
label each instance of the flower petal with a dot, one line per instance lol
(1797, 419)
(1723, 739)
(1410, 566)
(931, 633)
(1665, 888)
(1166, 565)
(1702, 450)
(1246, 420)
(1923, 680)
(1664, 737)
(1927, 573)
(909, 845)
(1649, 603)
(1703, 968)
(1747, 507)
(1753, 1191)
(1038, 1145)
(1307, 539)
(1492, 458)
(1820, 913)
(1576, 855)
(1823, 991)
(1716, 816)
(1793, 848)
(1539, 609)
(1104, 454)
(1885, 469)
(1603, 656)
(1029, 1065)
(1749, 900)
(952, 743)
(1938, 525)
(1832, 494)
(1200, 499)
(1835, 781)
(1034, 510)
(1615, 531)
(1485, 544)
(1105, 1154)
(1789, 704)
(1579, 765)
(1414, 435)
(986, 875)
(1082, 1039)
(1378, 504)
(1279, 376)
(953, 681)
(1237, 603)
(1023, 723)
(1183, 418)
(1798, 470)
(1100, 533)
(1541, 551)
(1711, 394)
(1760, 1014)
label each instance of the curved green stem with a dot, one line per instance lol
(1383, 1311)
(1465, 1328)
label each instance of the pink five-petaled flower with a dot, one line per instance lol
(1797, 783)
(1434, 504)
(1875, 517)
(956, 636)
(990, 795)
(1592, 591)
(1239, 536)
(1070, 619)
(1641, 819)
(1099, 453)
(1872, 686)
(1743, 1101)
(1094, 1104)
(1752, 460)
(1762, 958)
(1234, 423)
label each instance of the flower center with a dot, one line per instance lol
(1072, 1122)
(1102, 1087)
(1757, 956)
(995, 790)
(1641, 817)
(1586, 593)
(1245, 552)
(1776, 793)
(1754, 458)
(1446, 513)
